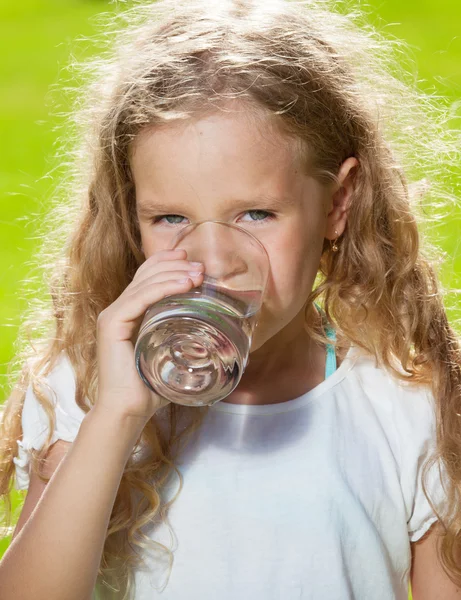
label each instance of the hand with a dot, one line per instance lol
(120, 387)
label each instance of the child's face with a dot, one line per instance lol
(198, 170)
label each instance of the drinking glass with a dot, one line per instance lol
(192, 348)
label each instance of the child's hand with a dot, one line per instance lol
(120, 387)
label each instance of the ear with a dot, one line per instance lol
(339, 199)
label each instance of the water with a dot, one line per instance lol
(193, 349)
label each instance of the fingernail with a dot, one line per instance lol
(194, 273)
(196, 264)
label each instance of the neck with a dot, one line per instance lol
(285, 367)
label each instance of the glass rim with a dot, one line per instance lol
(237, 227)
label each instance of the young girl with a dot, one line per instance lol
(333, 469)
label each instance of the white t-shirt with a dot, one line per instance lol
(316, 497)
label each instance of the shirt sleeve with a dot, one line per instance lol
(418, 443)
(35, 425)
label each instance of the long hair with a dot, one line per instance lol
(333, 86)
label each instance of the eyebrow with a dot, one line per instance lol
(266, 201)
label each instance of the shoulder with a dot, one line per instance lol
(399, 420)
(413, 404)
(401, 411)
(52, 394)
(57, 383)
(59, 372)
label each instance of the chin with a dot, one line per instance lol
(255, 346)
(260, 337)
(269, 328)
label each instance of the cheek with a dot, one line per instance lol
(150, 243)
(294, 262)
(145, 241)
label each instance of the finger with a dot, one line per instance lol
(164, 266)
(118, 322)
(162, 255)
(166, 276)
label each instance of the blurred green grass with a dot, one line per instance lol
(36, 41)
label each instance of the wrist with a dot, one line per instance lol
(125, 428)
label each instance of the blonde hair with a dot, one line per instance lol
(332, 85)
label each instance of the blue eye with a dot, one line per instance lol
(263, 212)
(176, 219)
(159, 218)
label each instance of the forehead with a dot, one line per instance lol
(230, 150)
(238, 123)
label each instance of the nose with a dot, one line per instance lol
(221, 253)
(219, 247)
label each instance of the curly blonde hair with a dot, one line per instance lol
(334, 86)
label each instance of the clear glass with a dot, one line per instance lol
(192, 348)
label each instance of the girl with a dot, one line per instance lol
(332, 471)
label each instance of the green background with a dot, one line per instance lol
(37, 38)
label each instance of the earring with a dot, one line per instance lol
(333, 245)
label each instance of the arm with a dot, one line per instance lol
(58, 550)
(36, 486)
(428, 579)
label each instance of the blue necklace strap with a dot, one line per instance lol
(330, 363)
